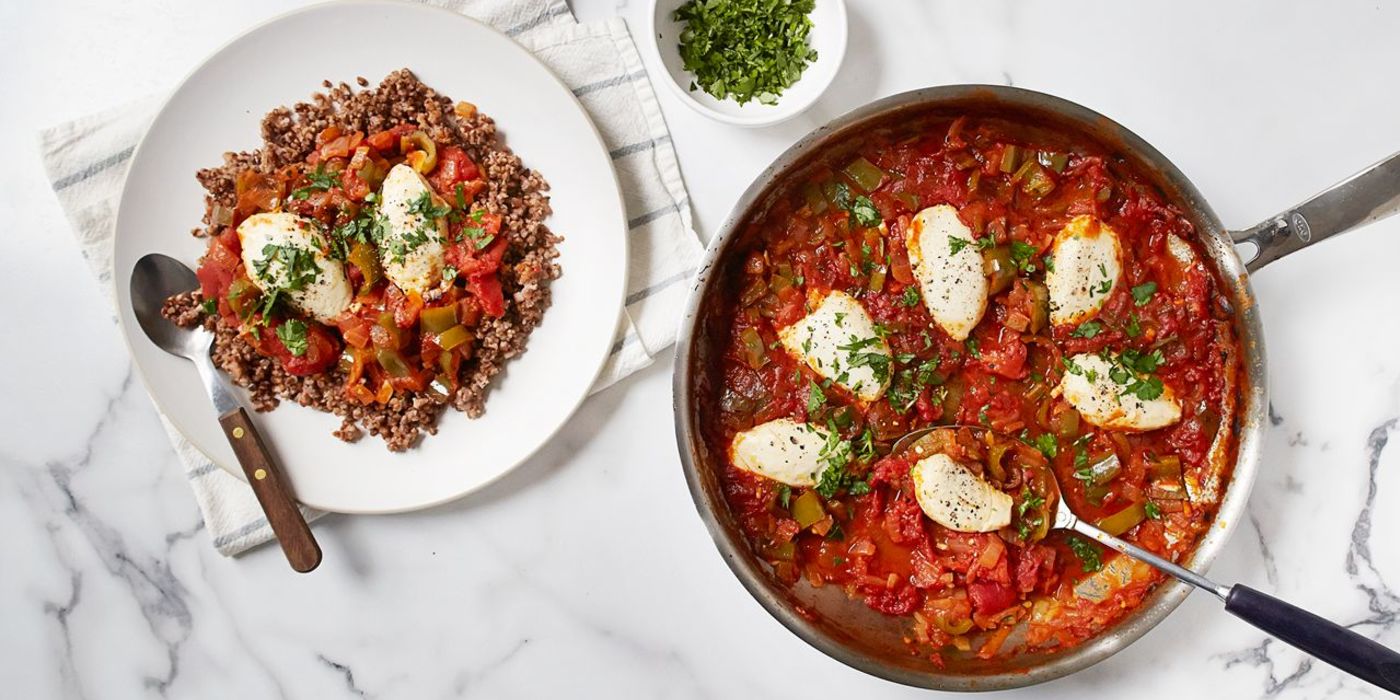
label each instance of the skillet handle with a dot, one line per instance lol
(1367, 196)
(1337, 645)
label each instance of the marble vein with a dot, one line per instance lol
(346, 672)
(1383, 602)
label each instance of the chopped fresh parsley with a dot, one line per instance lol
(1134, 327)
(1133, 370)
(1047, 445)
(209, 306)
(865, 446)
(1152, 510)
(865, 212)
(1088, 554)
(287, 266)
(909, 383)
(1049, 262)
(835, 454)
(283, 268)
(1023, 254)
(1087, 329)
(292, 333)
(903, 391)
(367, 226)
(745, 50)
(857, 356)
(841, 196)
(815, 398)
(973, 349)
(428, 213)
(926, 371)
(1073, 368)
(318, 181)
(910, 297)
(1142, 362)
(955, 244)
(425, 208)
(480, 238)
(1143, 293)
(986, 242)
(1028, 502)
(785, 496)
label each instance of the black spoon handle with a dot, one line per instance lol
(1329, 641)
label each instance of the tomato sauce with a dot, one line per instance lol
(1015, 188)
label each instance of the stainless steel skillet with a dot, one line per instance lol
(866, 640)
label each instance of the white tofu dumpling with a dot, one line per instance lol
(1089, 387)
(783, 450)
(1087, 264)
(953, 496)
(948, 267)
(282, 251)
(411, 251)
(838, 340)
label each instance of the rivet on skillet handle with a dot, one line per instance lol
(1367, 196)
(302, 551)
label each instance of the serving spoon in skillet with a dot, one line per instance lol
(158, 277)
(1328, 641)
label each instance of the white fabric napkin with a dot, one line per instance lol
(86, 161)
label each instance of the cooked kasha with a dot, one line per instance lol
(380, 257)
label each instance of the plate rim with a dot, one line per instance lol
(122, 299)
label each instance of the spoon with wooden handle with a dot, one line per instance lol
(158, 277)
(1327, 640)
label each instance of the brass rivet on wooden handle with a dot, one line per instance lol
(274, 495)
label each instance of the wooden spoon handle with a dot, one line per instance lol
(272, 491)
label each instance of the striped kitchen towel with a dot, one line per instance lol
(86, 161)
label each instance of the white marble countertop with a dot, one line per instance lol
(587, 572)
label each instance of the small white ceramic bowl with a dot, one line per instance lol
(828, 37)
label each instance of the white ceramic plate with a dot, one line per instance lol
(828, 37)
(219, 108)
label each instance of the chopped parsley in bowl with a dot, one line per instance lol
(746, 49)
(749, 62)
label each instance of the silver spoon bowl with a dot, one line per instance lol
(155, 279)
